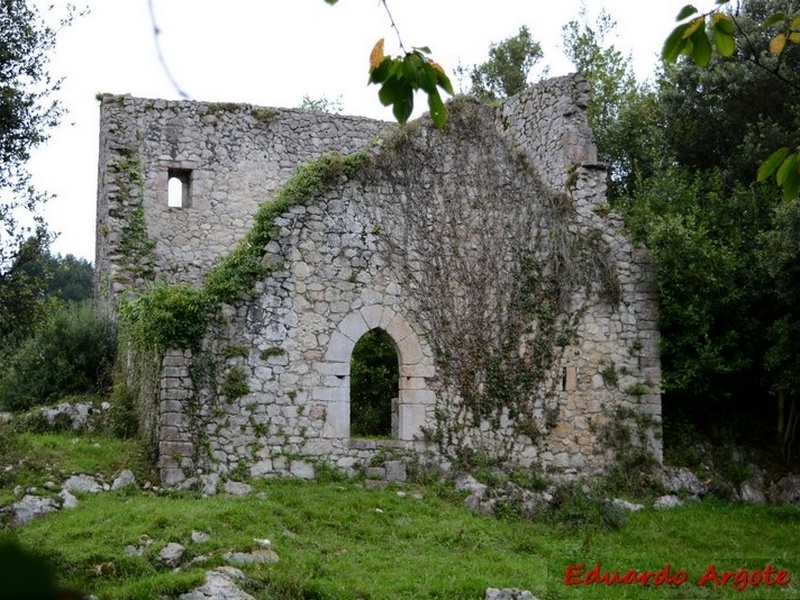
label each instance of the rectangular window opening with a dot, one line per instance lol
(179, 188)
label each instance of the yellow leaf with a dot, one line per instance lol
(794, 37)
(795, 22)
(777, 44)
(376, 56)
(696, 24)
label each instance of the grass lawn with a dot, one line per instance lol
(342, 541)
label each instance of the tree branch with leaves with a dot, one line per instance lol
(403, 75)
(694, 36)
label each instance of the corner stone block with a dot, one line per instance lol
(172, 477)
(337, 421)
(353, 326)
(411, 419)
(340, 348)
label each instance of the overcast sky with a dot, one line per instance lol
(272, 53)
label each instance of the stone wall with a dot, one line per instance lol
(234, 156)
(434, 223)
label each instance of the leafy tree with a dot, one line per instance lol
(765, 33)
(780, 257)
(508, 68)
(625, 117)
(67, 278)
(25, 115)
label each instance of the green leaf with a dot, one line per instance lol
(675, 44)
(413, 66)
(404, 106)
(724, 42)
(428, 79)
(791, 186)
(383, 71)
(437, 108)
(787, 169)
(444, 81)
(685, 12)
(701, 48)
(331, 2)
(724, 23)
(423, 49)
(771, 164)
(777, 17)
(390, 91)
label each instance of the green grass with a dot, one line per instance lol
(342, 541)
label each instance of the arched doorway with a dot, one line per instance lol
(374, 386)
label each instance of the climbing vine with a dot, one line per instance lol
(135, 245)
(507, 274)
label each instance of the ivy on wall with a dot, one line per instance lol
(508, 269)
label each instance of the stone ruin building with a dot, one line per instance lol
(523, 319)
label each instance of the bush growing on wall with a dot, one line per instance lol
(71, 353)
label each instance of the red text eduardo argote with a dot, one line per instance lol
(738, 579)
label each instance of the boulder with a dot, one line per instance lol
(752, 493)
(29, 507)
(171, 554)
(668, 501)
(199, 537)
(124, 479)
(82, 483)
(209, 484)
(786, 490)
(68, 416)
(257, 557)
(681, 479)
(67, 499)
(627, 506)
(466, 482)
(237, 488)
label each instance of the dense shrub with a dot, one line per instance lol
(71, 353)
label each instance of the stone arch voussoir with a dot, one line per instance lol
(416, 367)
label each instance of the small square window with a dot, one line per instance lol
(179, 188)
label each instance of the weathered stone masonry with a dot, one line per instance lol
(355, 258)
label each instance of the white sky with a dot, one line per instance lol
(271, 53)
